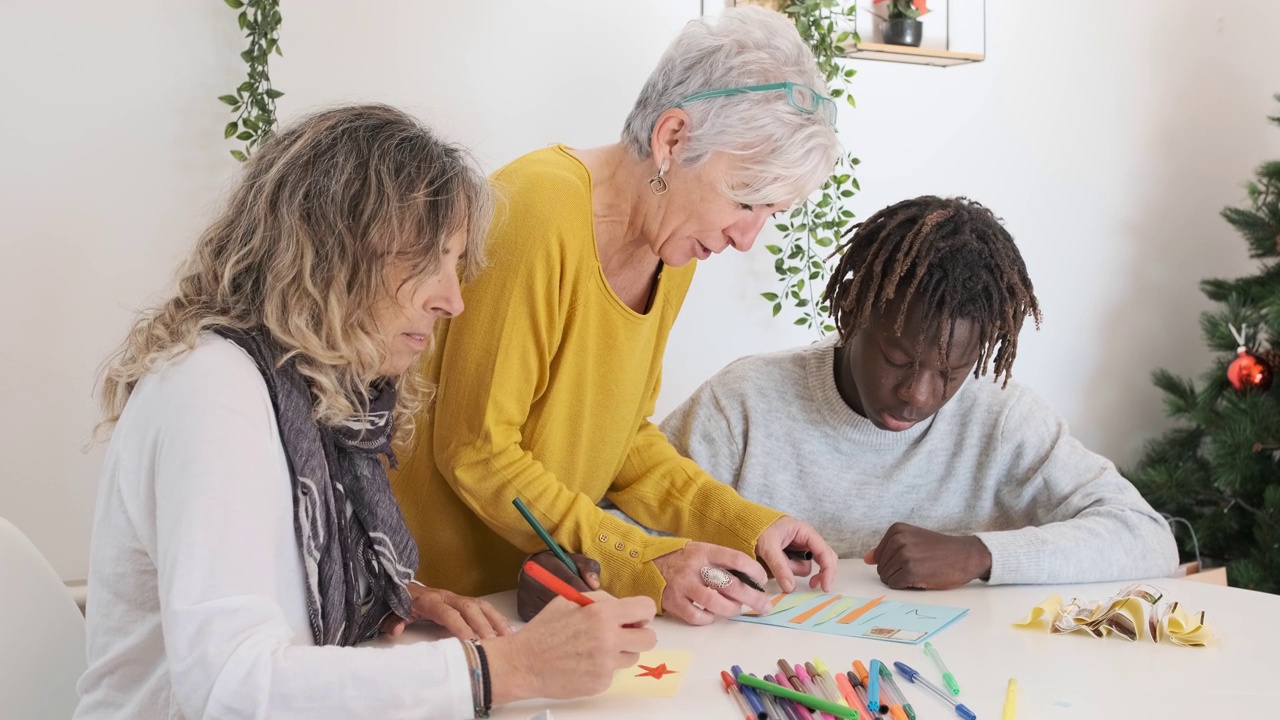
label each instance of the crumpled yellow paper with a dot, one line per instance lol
(1138, 612)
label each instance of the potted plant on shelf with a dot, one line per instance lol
(902, 24)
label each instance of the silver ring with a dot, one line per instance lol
(715, 578)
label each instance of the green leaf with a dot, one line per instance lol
(239, 155)
(246, 86)
(773, 249)
(251, 125)
(801, 321)
(245, 135)
(279, 51)
(274, 94)
(234, 4)
(828, 328)
(229, 99)
(243, 20)
(229, 130)
(771, 297)
(777, 308)
(802, 303)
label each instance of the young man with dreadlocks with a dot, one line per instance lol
(876, 438)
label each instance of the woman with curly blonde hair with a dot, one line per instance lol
(246, 533)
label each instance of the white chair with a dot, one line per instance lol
(41, 634)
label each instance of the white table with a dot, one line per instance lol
(1059, 676)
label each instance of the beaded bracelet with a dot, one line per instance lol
(488, 682)
(478, 663)
(477, 678)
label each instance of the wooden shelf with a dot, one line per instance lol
(907, 54)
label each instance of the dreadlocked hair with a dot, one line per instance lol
(951, 254)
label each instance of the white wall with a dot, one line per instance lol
(1107, 134)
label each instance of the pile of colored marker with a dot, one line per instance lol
(812, 692)
(798, 692)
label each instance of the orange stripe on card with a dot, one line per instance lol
(859, 612)
(813, 610)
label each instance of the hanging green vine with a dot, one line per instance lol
(254, 101)
(815, 226)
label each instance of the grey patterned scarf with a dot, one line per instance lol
(357, 553)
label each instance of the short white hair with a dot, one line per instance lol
(782, 154)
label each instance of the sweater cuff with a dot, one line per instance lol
(1017, 556)
(625, 553)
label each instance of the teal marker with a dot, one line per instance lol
(873, 687)
(947, 678)
(546, 538)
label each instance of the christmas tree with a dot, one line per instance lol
(1219, 467)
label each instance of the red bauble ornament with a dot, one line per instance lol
(1247, 372)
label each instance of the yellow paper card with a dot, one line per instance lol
(657, 674)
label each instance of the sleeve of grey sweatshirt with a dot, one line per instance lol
(701, 429)
(1083, 522)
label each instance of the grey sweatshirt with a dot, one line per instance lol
(994, 463)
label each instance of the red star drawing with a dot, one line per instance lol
(656, 672)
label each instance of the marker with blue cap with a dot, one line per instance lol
(749, 694)
(916, 679)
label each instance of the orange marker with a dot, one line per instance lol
(555, 584)
(859, 688)
(813, 610)
(731, 687)
(859, 612)
(851, 695)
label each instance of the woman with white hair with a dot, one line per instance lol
(548, 382)
(245, 534)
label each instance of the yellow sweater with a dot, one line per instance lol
(546, 383)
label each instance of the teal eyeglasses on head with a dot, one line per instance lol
(801, 97)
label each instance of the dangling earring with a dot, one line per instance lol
(658, 184)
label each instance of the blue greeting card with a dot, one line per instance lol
(850, 616)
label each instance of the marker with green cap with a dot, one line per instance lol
(886, 678)
(546, 538)
(947, 678)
